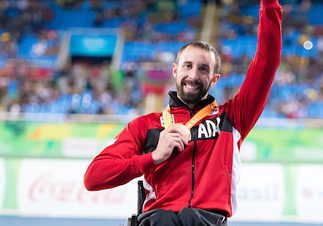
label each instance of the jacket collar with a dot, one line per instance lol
(174, 101)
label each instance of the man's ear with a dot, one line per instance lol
(215, 79)
(174, 70)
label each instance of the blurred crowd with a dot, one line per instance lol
(103, 89)
(298, 85)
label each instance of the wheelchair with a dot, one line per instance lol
(141, 196)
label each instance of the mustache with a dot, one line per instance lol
(191, 81)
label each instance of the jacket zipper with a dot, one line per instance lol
(193, 166)
(193, 174)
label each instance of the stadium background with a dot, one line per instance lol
(74, 72)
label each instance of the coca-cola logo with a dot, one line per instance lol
(48, 187)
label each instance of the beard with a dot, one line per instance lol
(192, 97)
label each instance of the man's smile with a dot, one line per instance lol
(191, 86)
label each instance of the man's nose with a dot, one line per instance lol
(194, 73)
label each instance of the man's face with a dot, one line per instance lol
(194, 74)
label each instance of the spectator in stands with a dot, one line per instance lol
(8, 46)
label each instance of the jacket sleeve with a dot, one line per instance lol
(246, 107)
(120, 162)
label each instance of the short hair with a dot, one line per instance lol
(206, 46)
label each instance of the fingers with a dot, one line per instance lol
(171, 140)
(175, 137)
(177, 141)
(182, 130)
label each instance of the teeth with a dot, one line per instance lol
(190, 86)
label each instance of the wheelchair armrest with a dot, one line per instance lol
(132, 221)
(141, 197)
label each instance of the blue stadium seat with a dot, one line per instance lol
(315, 14)
(190, 9)
(173, 28)
(25, 45)
(315, 109)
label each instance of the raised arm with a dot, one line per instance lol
(249, 103)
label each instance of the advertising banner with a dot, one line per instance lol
(2, 183)
(309, 192)
(261, 188)
(55, 188)
(285, 145)
(42, 167)
(93, 44)
(34, 139)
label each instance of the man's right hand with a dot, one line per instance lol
(177, 136)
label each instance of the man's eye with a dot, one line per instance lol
(204, 69)
(187, 66)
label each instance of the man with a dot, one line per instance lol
(191, 165)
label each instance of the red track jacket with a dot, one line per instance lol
(206, 173)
